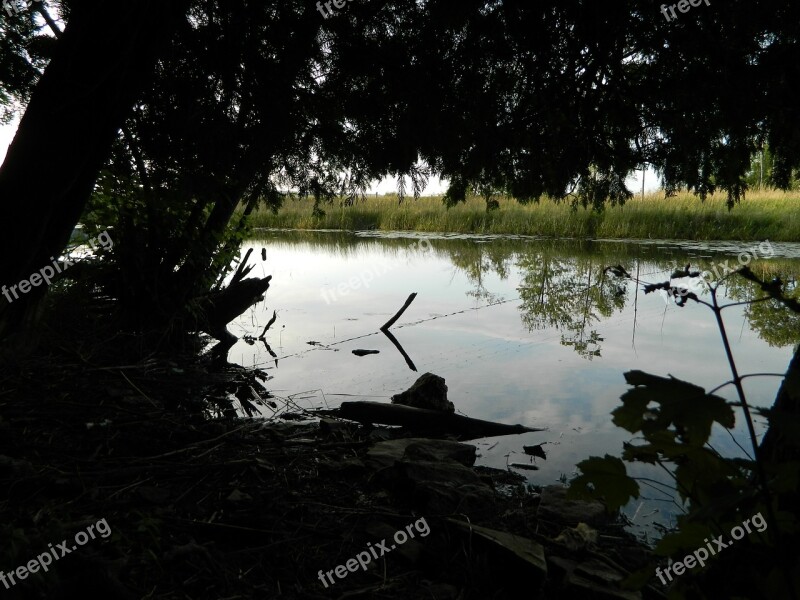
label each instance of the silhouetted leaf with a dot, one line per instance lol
(617, 270)
(536, 450)
(690, 537)
(680, 404)
(604, 479)
(652, 287)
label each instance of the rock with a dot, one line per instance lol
(348, 467)
(590, 579)
(514, 552)
(554, 506)
(432, 475)
(441, 450)
(336, 428)
(444, 487)
(578, 538)
(386, 454)
(560, 567)
(429, 391)
(450, 473)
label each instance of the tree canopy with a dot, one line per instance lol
(247, 102)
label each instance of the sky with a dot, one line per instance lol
(435, 185)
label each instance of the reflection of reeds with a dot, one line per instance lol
(762, 215)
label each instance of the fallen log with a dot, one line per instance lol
(421, 419)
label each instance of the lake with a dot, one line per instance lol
(523, 330)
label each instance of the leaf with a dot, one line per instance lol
(604, 479)
(536, 450)
(690, 536)
(680, 404)
(617, 270)
(652, 287)
(637, 580)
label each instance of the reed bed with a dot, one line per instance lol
(768, 214)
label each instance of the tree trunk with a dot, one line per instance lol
(780, 442)
(102, 61)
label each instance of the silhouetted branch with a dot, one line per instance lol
(391, 321)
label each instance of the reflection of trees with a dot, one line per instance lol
(568, 294)
(479, 260)
(563, 285)
(774, 324)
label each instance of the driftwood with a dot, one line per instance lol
(403, 308)
(243, 270)
(425, 420)
(221, 307)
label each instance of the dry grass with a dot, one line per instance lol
(762, 215)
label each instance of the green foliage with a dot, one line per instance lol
(24, 51)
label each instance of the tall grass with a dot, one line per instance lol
(772, 215)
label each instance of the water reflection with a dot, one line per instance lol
(567, 286)
(524, 331)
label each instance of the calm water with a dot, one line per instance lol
(523, 331)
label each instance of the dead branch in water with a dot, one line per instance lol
(397, 345)
(391, 321)
(269, 324)
(424, 420)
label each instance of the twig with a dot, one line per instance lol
(194, 446)
(737, 382)
(264, 333)
(138, 390)
(392, 321)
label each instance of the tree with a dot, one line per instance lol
(253, 100)
(69, 125)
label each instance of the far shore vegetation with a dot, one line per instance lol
(764, 214)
